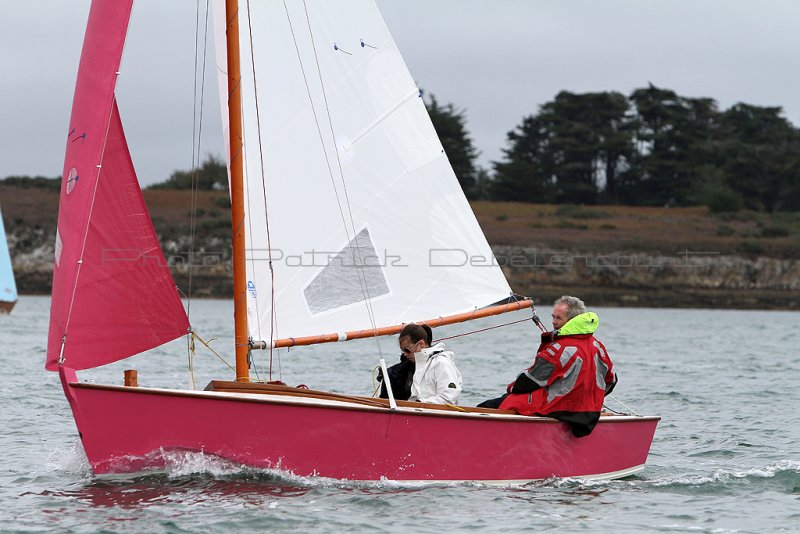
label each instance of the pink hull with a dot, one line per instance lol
(125, 430)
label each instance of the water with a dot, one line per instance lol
(725, 456)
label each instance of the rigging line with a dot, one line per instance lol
(197, 132)
(190, 352)
(249, 238)
(273, 319)
(324, 149)
(316, 116)
(483, 329)
(364, 286)
(375, 386)
(192, 194)
(359, 273)
(631, 410)
(215, 353)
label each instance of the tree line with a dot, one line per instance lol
(651, 148)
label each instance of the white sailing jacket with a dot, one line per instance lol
(436, 378)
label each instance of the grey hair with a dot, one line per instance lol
(575, 306)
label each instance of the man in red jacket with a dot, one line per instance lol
(571, 373)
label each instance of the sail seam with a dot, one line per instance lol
(386, 115)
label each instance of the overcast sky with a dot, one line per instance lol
(498, 60)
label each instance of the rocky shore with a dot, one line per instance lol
(608, 255)
(698, 280)
(686, 279)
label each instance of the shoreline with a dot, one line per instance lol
(221, 288)
(607, 255)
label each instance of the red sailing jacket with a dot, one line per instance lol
(569, 377)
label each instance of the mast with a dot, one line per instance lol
(237, 191)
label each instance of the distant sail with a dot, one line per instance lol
(8, 287)
(363, 204)
(113, 295)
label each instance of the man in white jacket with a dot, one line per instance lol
(436, 378)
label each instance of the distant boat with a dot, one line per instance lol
(356, 225)
(8, 288)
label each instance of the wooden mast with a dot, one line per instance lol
(237, 192)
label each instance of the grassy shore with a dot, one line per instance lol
(601, 229)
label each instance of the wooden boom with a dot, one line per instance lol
(389, 330)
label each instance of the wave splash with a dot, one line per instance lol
(185, 466)
(783, 469)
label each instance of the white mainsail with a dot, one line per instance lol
(354, 199)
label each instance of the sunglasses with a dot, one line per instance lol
(407, 350)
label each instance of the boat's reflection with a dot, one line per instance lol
(162, 489)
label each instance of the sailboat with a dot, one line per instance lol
(8, 287)
(348, 222)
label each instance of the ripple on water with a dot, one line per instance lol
(782, 476)
(713, 451)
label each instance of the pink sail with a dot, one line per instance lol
(113, 295)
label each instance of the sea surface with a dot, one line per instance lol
(726, 456)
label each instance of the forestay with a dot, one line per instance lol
(357, 201)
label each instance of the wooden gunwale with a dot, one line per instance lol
(234, 387)
(358, 403)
